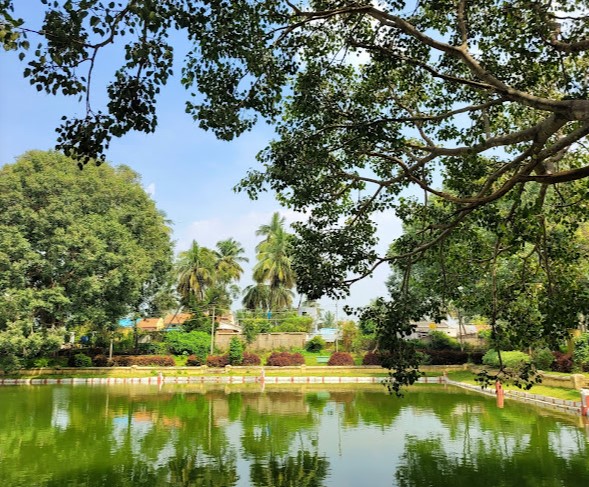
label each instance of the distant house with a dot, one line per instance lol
(226, 324)
(151, 324)
(449, 326)
(174, 321)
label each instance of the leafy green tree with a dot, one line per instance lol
(235, 351)
(189, 343)
(383, 97)
(76, 248)
(488, 97)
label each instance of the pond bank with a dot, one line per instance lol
(281, 375)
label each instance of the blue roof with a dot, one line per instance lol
(126, 322)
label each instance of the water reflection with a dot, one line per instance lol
(192, 435)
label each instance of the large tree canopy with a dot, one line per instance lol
(77, 248)
(368, 98)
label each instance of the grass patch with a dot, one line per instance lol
(556, 392)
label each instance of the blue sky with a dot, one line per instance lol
(189, 173)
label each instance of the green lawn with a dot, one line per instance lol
(556, 392)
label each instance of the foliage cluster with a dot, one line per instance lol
(217, 361)
(452, 357)
(315, 344)
(188, 343)
(21, 343)
(130, 360)
(581, 353)
(284, 359)
(563, 362)
(513, 359)
(542, 359)
(341, 358)
(438, 340)
(194, 361)
(81, 360)
(235, 354)
(372, 358)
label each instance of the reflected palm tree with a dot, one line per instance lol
(200, 471)
(305, 469)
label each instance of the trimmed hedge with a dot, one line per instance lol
(285, 359)
(251, 359)
(372, 358)
(194, 361)
(217, 360)
(340, 358)
(139, 360)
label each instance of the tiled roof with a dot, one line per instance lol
(149, 323)
(176, 318)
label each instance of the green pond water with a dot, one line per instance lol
(195, 435)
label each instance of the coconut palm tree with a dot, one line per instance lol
(257, 296)
(196, 272)
(273, 268)
(229, 254)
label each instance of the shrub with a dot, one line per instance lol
(284, 359)
(372, 358)
(543, 358)
(581, 353)
(143, 360)
(438, 340)
(563, 362)
(475, 357)
(81, 360)
(41, 362)
(102, 361)
(194, 361)
(315, 344)
(217, 360)
(340, 358)
(189, 343)
(447, 357)
(251, 359)
(512, 359)
(235, 351)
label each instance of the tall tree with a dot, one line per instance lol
(491, 95)
(76, 248)
(207, 278)
(196, 273)
(273, 268)
(229, 255)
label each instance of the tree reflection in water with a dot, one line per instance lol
(305, 469)
(293, 436)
